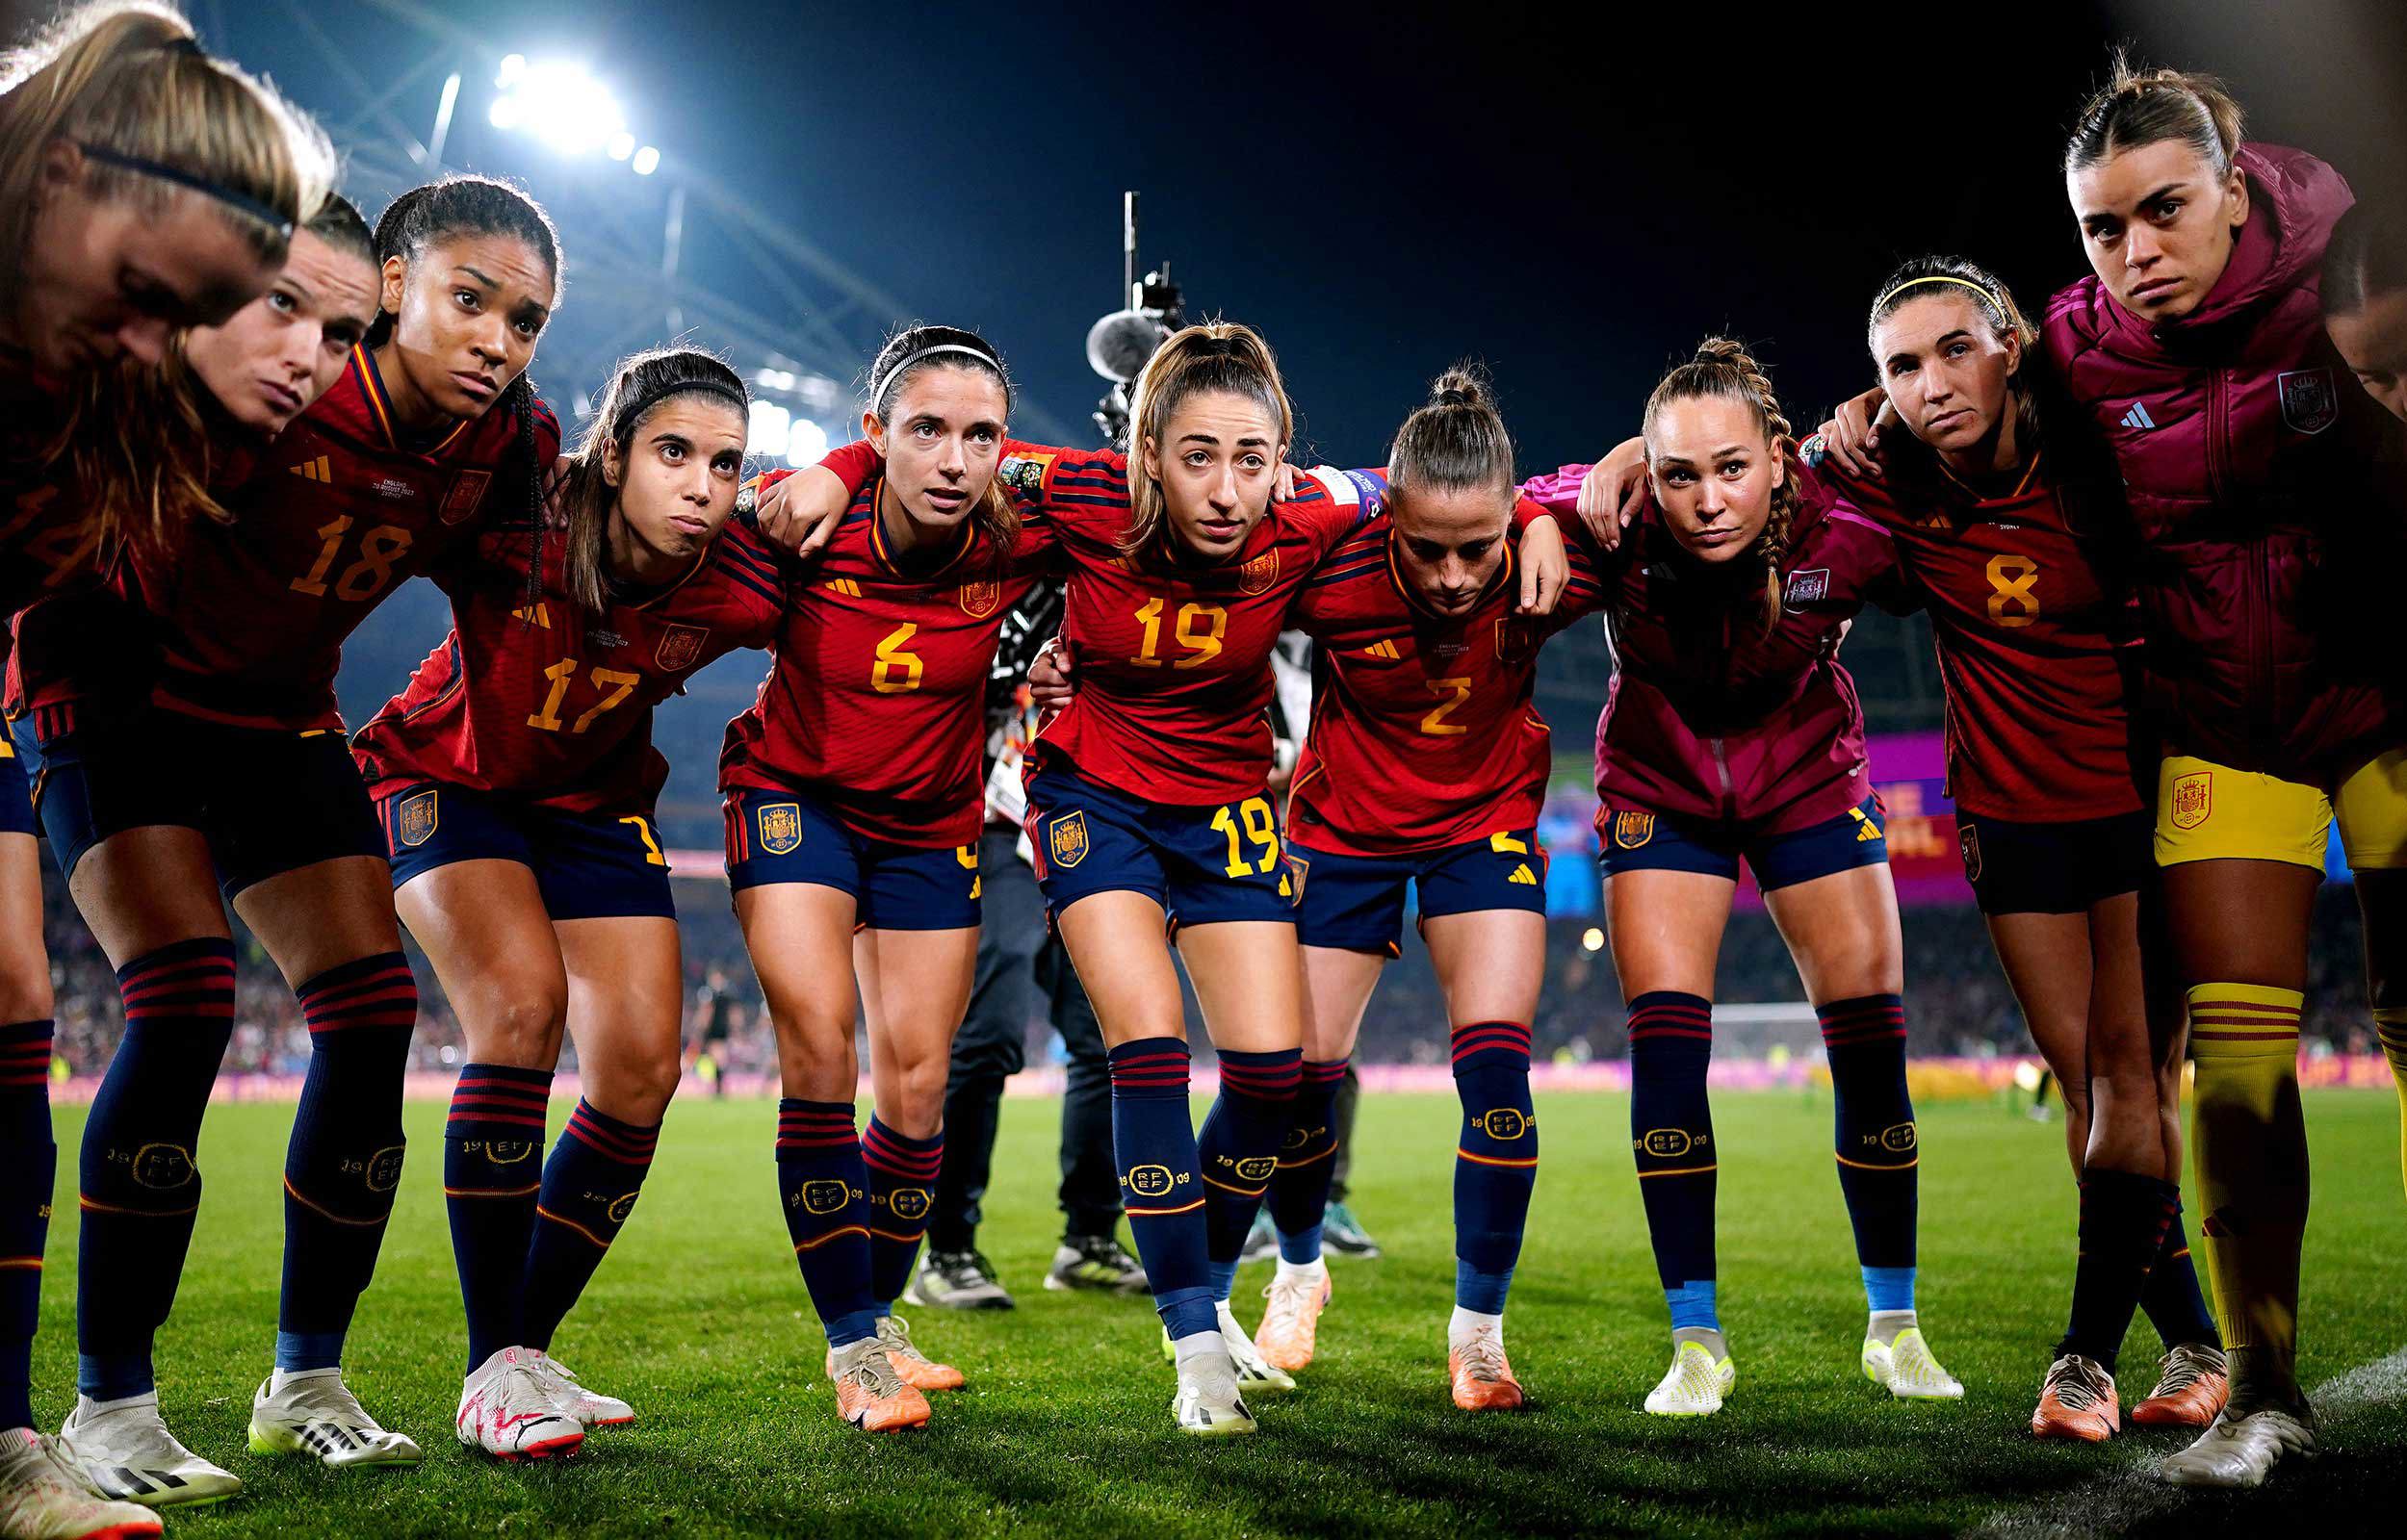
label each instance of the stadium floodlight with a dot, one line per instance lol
(647, 161)
(770, 430)
(805, 443)
(561, 104)
(1592, 939)
(622, 145)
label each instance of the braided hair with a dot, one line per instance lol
(481, 206)
(1723, 370)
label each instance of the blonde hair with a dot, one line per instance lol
(1722, 370)
(156, 119)
(1216, 355)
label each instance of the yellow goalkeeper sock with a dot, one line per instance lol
(2391, 1025)
(2250, 1148)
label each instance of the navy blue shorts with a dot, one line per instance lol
(1636, 841)
(789, 837)
(1202, 865)
(268, 801)
(16, 794)
(2020, 868)
(1356, 903)
(587, 865)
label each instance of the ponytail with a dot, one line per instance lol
(1456, 441)
(1216, 355)
(1723, 370)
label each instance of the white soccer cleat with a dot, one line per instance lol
(1208, 1403)
(44, 1496)
(125, 1451)
(507, 1411)
(1695, 1385)
(2240, 1451)
(1906, 1370)
(589, 1407)
(316, 1413)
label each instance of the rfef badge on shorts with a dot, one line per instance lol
(1066, 839)
(1631, 830)
(2192, 799)
(780, 828)
(413, 821)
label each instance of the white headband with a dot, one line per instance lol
(904, 368)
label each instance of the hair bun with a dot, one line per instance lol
(1720, 351)
(1463, 385)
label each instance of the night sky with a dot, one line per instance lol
(1382, 191)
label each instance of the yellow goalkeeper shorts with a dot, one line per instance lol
(2207, 811)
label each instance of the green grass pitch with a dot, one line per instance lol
(699, 1319)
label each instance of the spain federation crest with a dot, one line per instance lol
(1301, 867)
(1256, 576)
(2192, 799)
(465, 493)
(1065, 838)
(1808, 587)
(978, 600)
(2309, 402)
(1516, 639)
(679, 647)
(1968, 840)
(780, 828)
(1631, 830)
(414, 820)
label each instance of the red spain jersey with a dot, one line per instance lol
(1173, 657)
(43, 542)
(876, 701)
(2032, 639)
(554, 703)
(1424, 734)
(251, 618)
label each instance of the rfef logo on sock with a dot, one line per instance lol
(823, 1196)
(1148, 1181)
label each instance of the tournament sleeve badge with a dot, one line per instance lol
(1024, 472)
(1066, 839)
(780, 828)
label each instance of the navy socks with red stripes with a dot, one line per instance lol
(1299, 1194)
(1671, 1139)
(31, 1163)
(343, 1163)
(1238, 1150)
(490, 1180)
(823, 1189)
(589, 1188)
(141, 1186)
(902, 1189)
(1161, 1180)
(2123, 1219)
(1876, 1140)
(1495, 1162)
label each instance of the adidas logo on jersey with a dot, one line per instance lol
(1524, 875)
(533, 615)
(319, 469)
(845, 587)
(1385, 649)
(2137, 417)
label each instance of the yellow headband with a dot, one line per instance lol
(1995, 303)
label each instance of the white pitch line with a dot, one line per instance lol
(2128, 1493)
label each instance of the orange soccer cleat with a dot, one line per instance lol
(1482, 1374)
(918, 1370)
(2192, 1385)
(868, 1394)
(1290, 1327)
(2077, 1401)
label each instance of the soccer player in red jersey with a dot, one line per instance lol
(2006, 528)
(515, 778)
(1149, 810)
(1733, 734)
(2269, 530)
(399, 465)
(854, 804)
(1426, 763)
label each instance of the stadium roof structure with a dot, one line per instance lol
(674, 254)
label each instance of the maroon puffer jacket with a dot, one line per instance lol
(2266, 526)
(1710, 717)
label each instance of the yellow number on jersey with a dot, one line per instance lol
(1259, 827)
(1456, 691)
(618, 683)
(895, 670)
(2016, 578)
(378, 550)
(1197, 627)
